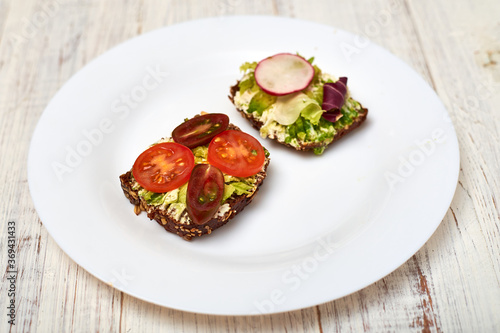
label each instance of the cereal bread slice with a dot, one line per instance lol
(180, 223)
(301, 145)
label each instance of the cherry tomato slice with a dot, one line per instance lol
(163, 167)
(204, 193)
(200, 130)
(236, 153)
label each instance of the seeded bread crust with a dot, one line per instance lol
(184, 227)
(257, 124)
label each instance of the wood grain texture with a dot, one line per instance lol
(452, 284)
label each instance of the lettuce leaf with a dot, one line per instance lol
(200, 154)
(248, 84)
(176, 209)
(237, 188)
(312, 112)
(241, 188)
(181, 197)
(289, 108)
(260, 101)
(157, 199)
(248, 66)
(228, 191)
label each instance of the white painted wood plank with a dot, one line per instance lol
(467, 81)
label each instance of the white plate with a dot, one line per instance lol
(320, 228)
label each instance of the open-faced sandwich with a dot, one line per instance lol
(289, 99)
(195, 181)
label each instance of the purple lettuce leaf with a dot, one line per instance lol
(334, 98)
(332, 115)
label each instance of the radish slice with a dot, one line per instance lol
(283, 74)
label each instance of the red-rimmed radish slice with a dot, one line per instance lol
(283, 74)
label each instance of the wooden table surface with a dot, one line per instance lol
(451, 285)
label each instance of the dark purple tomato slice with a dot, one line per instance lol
(200, 130)
(204, 192)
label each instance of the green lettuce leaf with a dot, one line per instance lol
(176, 209)
(248, 84)
(157, 199)
(260, 101)
(237, 188)
(228, 191)
(312, 112)
(241, 188)
(200, 154)
(247, 66)
(181, 197)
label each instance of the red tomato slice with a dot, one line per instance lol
(163, 167)
(236, 153)
(200, 130)
(204, 193)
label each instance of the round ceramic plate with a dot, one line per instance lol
(320, 228)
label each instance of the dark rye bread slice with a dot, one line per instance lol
(257, 124)
(183, 226)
